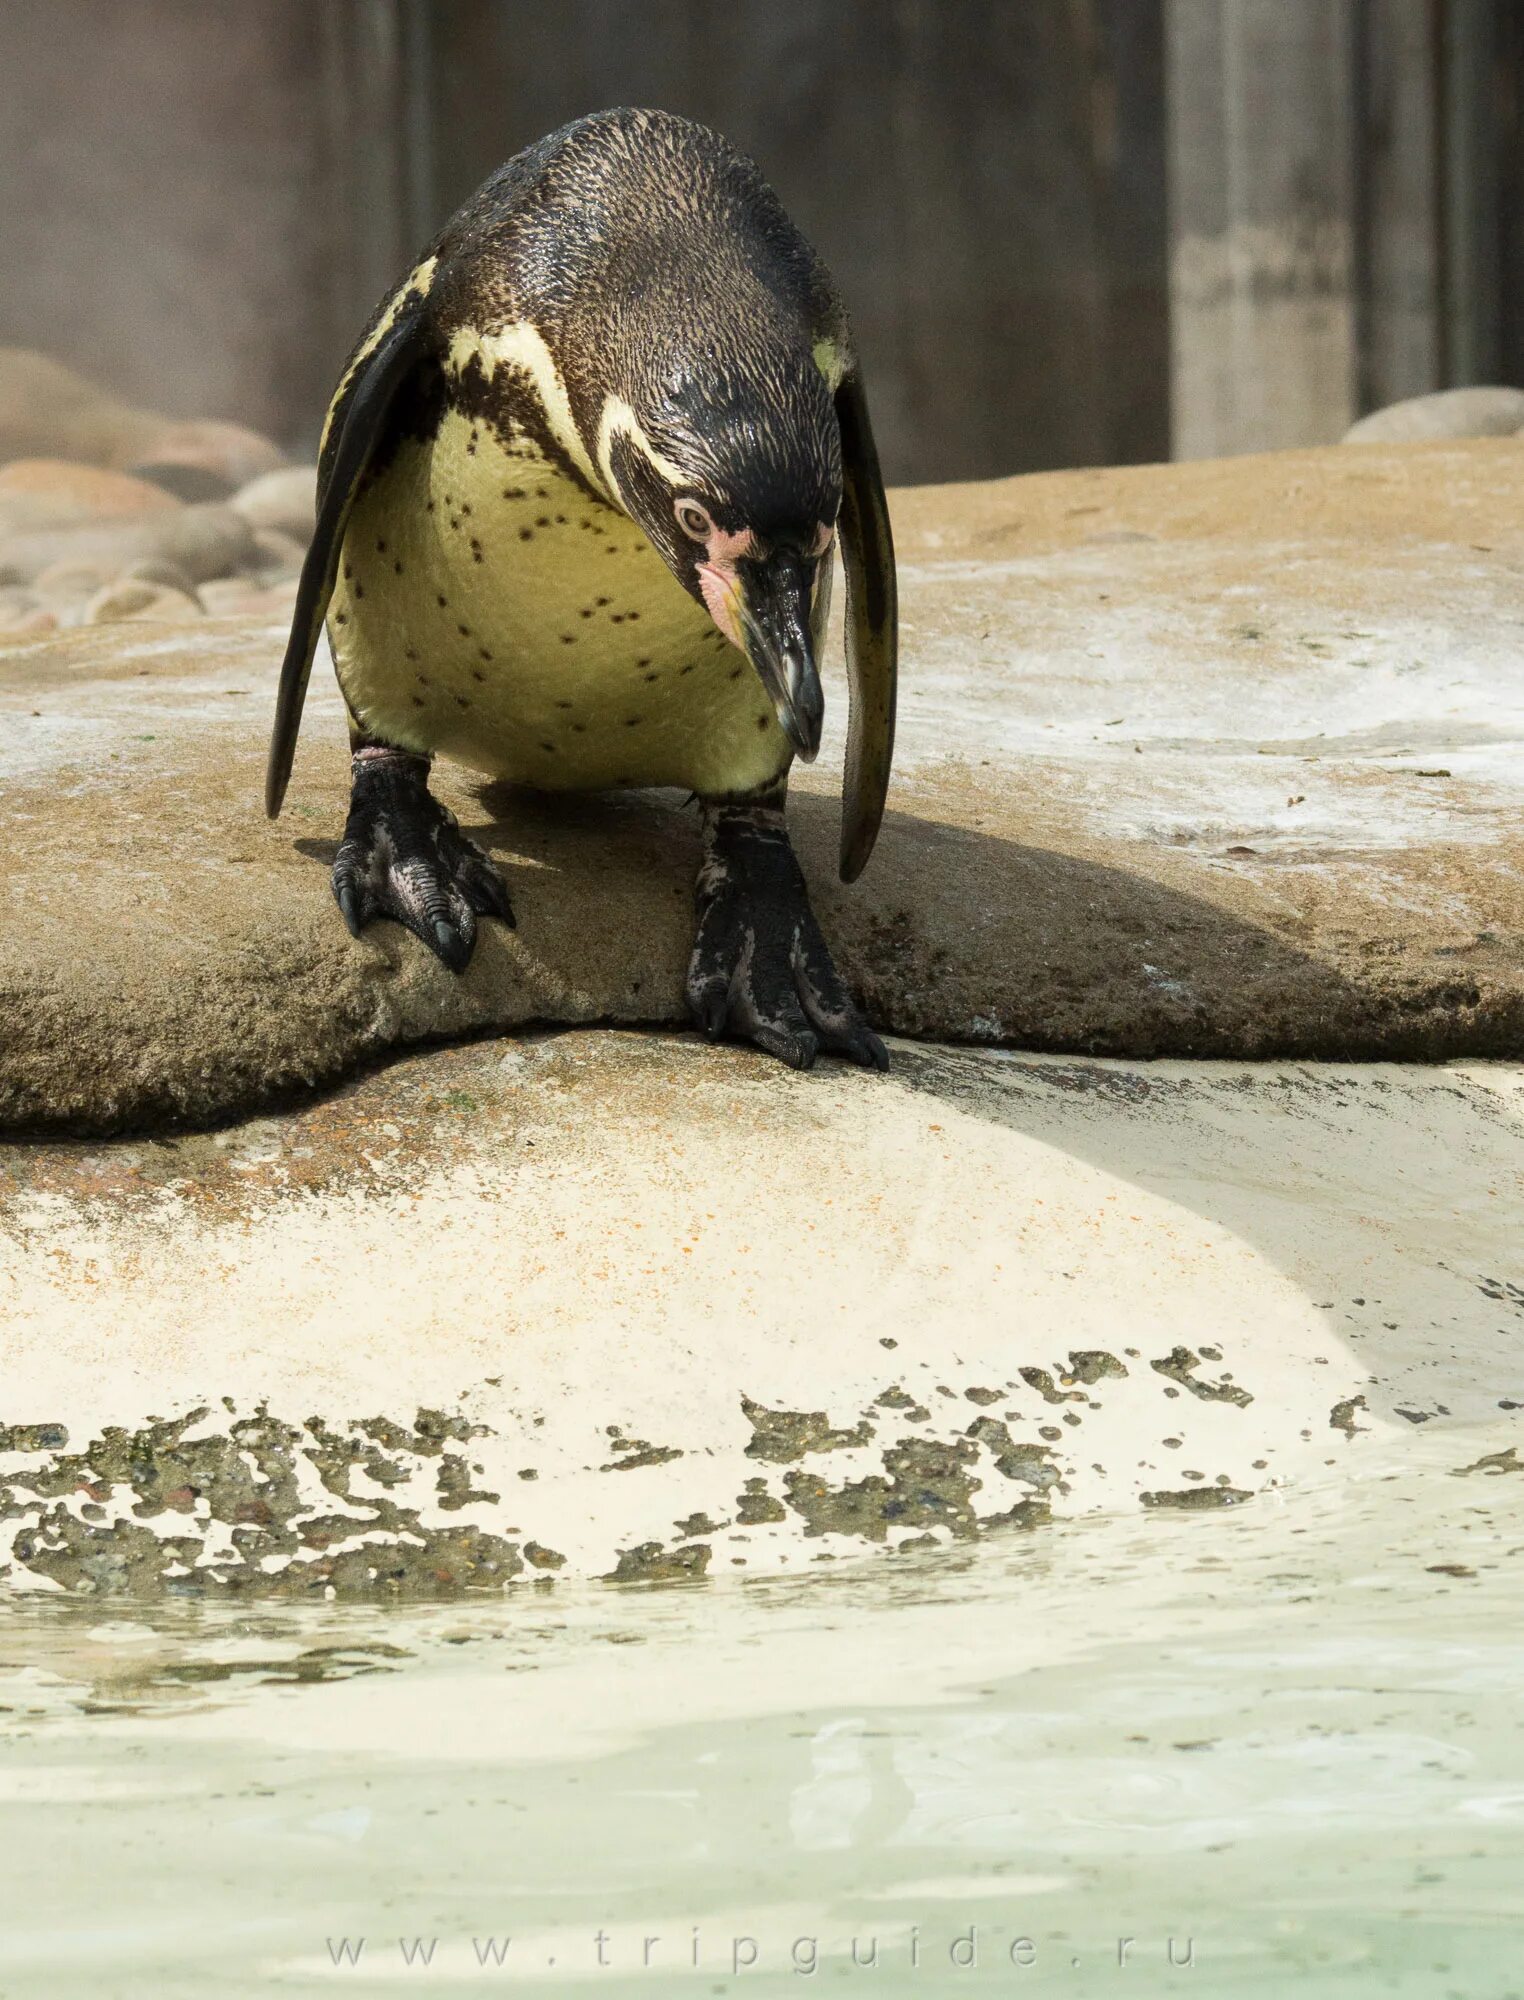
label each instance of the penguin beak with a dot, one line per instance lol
(775, 597)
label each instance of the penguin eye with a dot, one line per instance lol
(694, 520)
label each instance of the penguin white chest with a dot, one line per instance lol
(487, 607)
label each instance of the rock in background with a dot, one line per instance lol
(1449, 413)
(111, 514)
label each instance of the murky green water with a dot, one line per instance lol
(1284, 1744)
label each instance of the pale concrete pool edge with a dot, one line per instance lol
(615, 1305)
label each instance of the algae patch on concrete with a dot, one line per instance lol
(781, 1436)
(176, 1505)
(1197, 1499)
(1180, 1365)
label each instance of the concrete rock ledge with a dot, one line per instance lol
(621, 1306)
(1217, 759)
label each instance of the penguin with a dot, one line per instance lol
(580, 490)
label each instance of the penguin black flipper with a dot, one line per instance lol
(872, 630)
(357, 429)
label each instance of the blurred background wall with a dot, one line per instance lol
(1071, 231)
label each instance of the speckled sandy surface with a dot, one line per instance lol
(1220, 758)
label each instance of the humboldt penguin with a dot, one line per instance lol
(579, 492)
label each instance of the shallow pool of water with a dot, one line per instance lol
(1277, 1750)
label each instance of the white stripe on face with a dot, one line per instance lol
(619, 420)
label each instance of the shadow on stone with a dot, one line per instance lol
(959, 934)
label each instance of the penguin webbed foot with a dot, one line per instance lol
(404, 856)
(760, 969)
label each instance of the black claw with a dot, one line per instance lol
(712, 1010)
(760, 969)
(451, 945)
(866, 1048)
(489, 896)
(404, 857)
(349, 907)
(798, 1051)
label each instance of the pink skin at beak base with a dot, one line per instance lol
(717, 577)
(717, 573)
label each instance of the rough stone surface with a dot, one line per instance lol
(623, 1306)
(1213, 759)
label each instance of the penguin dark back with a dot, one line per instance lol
(582, 487)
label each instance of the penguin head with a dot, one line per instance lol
(735, 478)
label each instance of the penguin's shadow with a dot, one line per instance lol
(595, 846)
(953, 933)
(326, 851)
